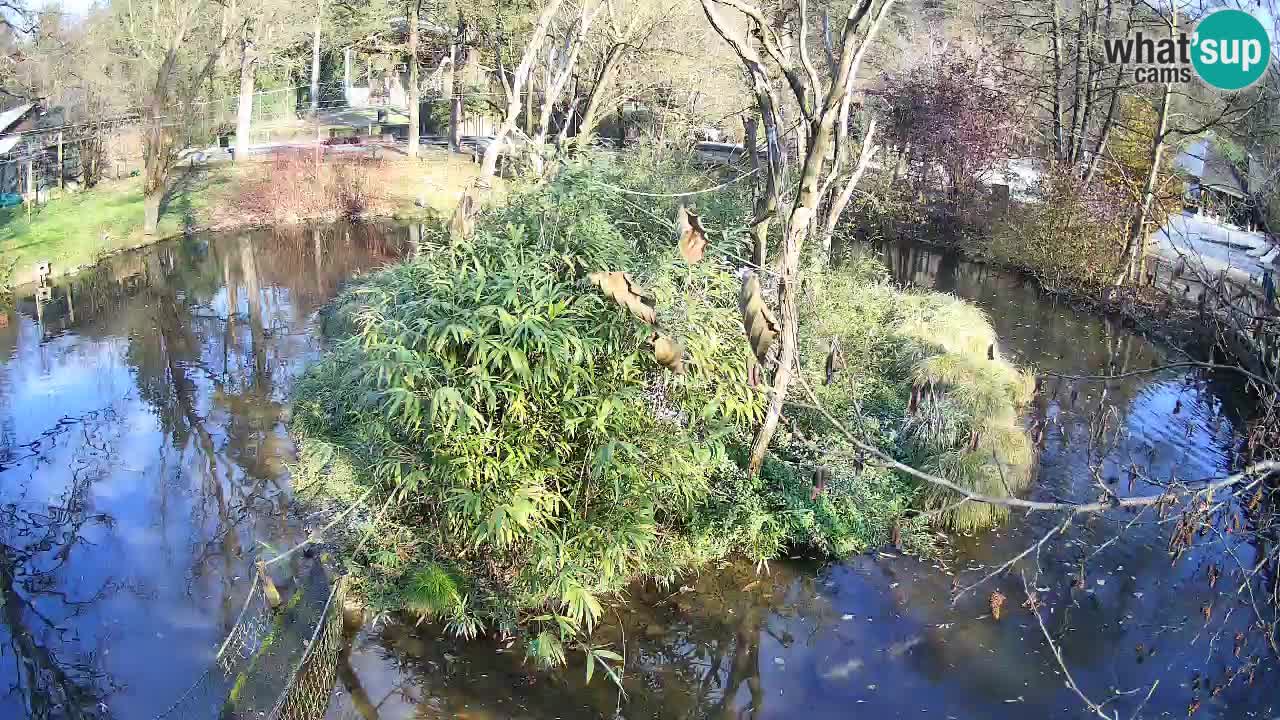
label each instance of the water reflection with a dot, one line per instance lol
(143, 456)
(878, 636)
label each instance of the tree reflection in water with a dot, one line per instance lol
(143, 452)
(55, 674)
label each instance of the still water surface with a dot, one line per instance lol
(143, 456)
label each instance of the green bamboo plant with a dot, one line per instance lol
(558, 402)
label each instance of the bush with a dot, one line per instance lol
(534, 456)
(294, 187)
(1070, 237)
(923, 377)
(954, 113)
(519, 419)
(887, 212)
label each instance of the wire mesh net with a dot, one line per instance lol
(277, 664)
(311, 684)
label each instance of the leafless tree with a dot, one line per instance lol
(823, 102)
(513, 86)
(173, 49)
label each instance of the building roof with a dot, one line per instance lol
(8, 119)
(13, 115)
(1202, 160)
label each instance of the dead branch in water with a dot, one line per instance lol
(1205, 487)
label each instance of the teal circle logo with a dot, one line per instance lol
(1231, 49)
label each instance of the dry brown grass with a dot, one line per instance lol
(292, 188)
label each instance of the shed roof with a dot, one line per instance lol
(1202, 160)
(13, 115)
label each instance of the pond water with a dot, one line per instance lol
(143, 455)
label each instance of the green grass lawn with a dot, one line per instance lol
(77, 229)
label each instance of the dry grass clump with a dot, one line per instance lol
(924, 369)
(293, 187)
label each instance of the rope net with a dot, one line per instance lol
(277, 664)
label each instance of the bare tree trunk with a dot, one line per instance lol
(765, 201)
(1091, 87)
(1105, 133)
(157, 145)
(414, 91)
(1077, 89)
(1056, 46)
(604, 79)
(842, 200)
(151, 211)
(457, 86)
(1112, 105)
(513, 89)
(1137, 227)
(244, 112)
(315, 61)
(559, 77)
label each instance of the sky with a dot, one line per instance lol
(74, 7)
(1266, 10)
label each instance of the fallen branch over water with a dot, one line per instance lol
(1254, 472)
(1170, 366)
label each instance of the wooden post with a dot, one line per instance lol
(62, 184)
(31, 184)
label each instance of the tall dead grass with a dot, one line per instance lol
(293, 187)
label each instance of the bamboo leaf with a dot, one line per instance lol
(519, 363)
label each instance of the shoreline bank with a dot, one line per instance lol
(76, 232)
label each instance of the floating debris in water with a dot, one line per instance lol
(997, 603)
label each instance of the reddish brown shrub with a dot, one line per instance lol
(353, 184)
(292, 187)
